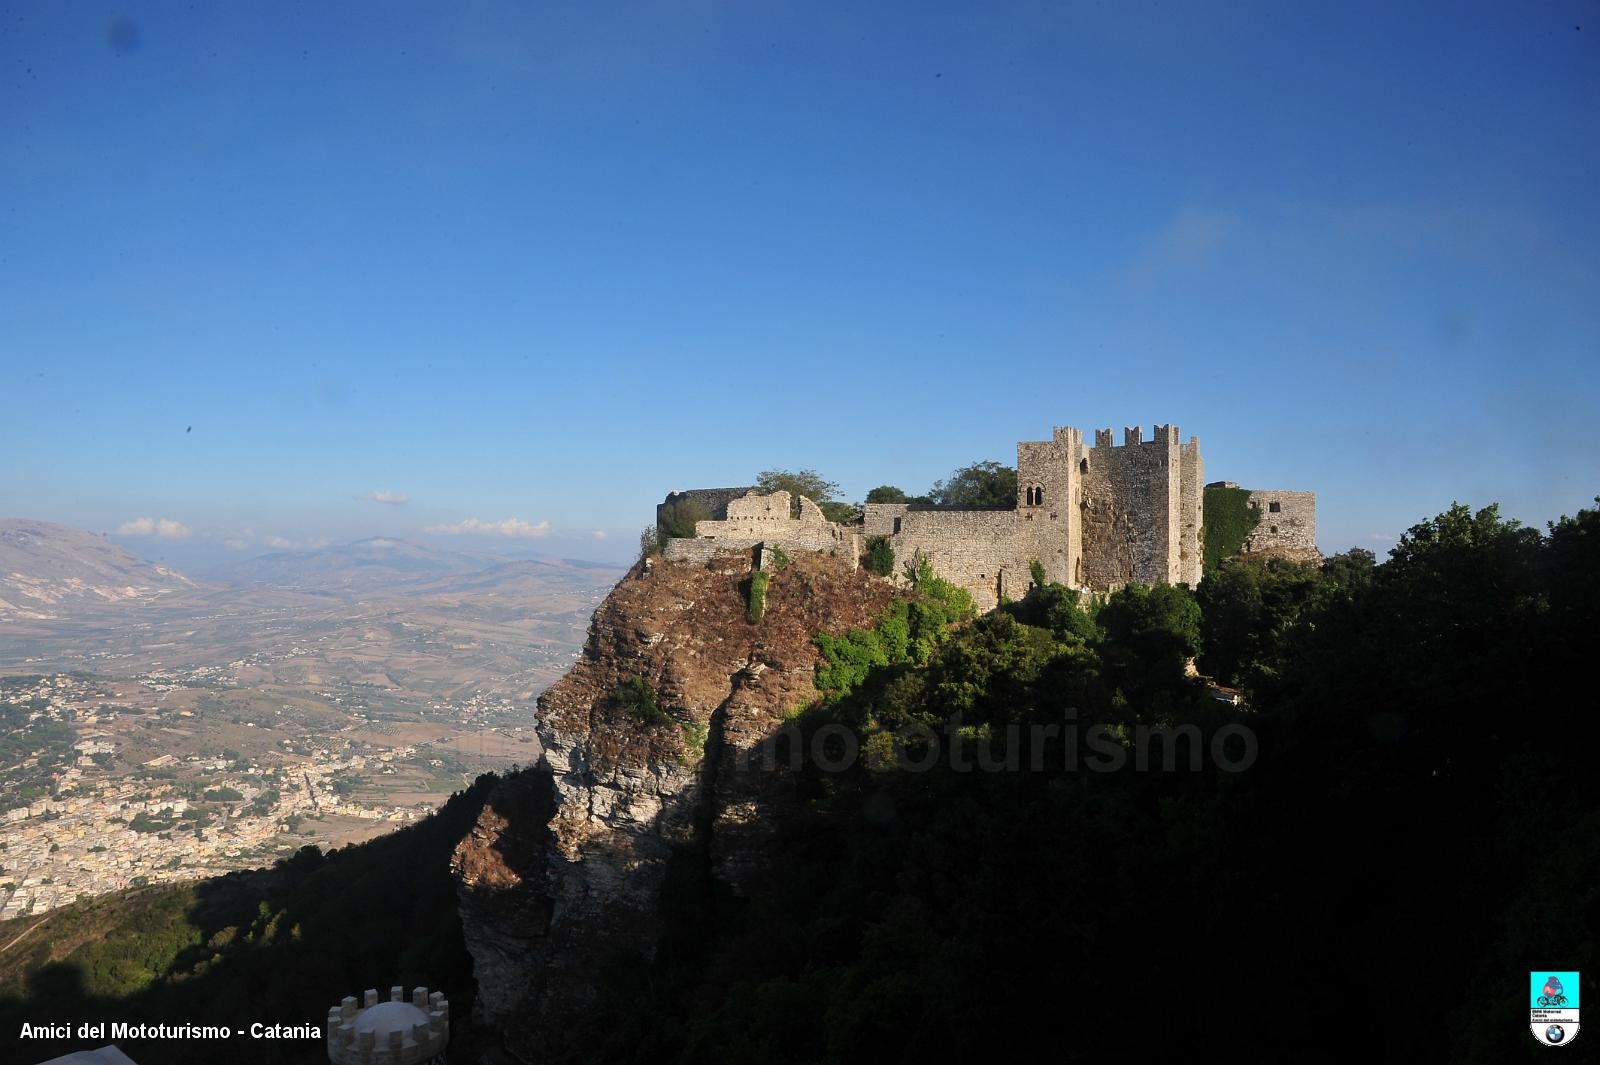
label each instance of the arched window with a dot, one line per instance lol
(1038, 497)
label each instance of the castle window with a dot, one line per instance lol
(1083, 466)
(1275, 506)
(1040, 493)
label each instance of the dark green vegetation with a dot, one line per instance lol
(888, 493)
(880, 556)
(756, 607)
(906, 634)
(1420, 829)
(278, 946)
(678, 519)
(638, 701)
(1229, 521)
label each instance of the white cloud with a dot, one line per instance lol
(394, 499)
(278, 543)
(165, 528)
(599, 534)
(512, 527)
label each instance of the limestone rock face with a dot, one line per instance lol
(563, 870)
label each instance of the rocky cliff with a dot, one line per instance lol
(561, 874)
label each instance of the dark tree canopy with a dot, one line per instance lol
(887, 493)
(808, 483)
(678, 519)
(982, 484)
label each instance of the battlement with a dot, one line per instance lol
(1133, 436)
(1066, 434)
(395, 1032)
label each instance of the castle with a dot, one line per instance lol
(1095, 518)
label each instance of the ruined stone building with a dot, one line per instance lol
(1094, 517)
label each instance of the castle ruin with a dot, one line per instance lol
(1095, 518)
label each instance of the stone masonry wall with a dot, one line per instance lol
(1293, 525)
(754, 518)
(1049, 505)
(714, 501)
(1191, 518)
(1131, 507)
(976, 549)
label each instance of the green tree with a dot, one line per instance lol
(808, 483)
(678, 519)
(887, 493)
(844, 513)
(649, 541)
(1249, 610)
(1151, 632)
(1055, 607)
(880, 556)
(982, 484)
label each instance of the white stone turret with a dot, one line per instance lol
(395, 1032)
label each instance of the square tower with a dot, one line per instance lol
(1049, 494)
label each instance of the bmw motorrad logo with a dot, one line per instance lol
(1553, 1000)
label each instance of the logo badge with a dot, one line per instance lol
(1553, 1006)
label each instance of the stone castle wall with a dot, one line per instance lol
(973, 547)
(1293, 525)
(1094, 517)
(1050, 504)
(1131, 509)
(1191, 514)
(754, 518)
(714, 501)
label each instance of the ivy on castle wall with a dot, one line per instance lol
(1229, 521)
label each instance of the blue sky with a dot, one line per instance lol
(530, 267)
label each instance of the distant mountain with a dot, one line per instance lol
(375, 565)
(47, 570)
(523, 575)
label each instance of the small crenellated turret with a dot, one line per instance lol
(395, 1032)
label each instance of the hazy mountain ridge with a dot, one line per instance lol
(374, 562)
(382, 564)
(48, 569)
(444, 622)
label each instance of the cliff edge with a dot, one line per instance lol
(561, 873)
